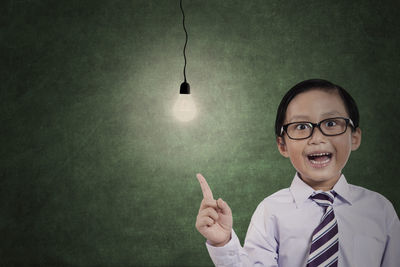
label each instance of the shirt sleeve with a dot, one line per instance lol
(228, 255)
(260, 247)
(391, 255)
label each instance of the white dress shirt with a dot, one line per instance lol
(280, 230)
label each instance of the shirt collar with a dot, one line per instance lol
(342, 188)
(302, 191)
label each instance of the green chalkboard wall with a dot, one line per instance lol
(95, 170)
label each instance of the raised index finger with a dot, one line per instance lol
(207, 194)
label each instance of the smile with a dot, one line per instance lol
(319, 160)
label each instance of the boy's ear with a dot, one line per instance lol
(282, 146)
(356, 139)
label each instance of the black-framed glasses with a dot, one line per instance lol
(304, 129)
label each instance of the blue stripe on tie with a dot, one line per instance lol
(330, 253)
(316, 256)
(333, 225)
(322, 224)
(332, 262)
(326, 214)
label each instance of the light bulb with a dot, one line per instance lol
(184, 108)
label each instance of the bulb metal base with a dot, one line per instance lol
(185, 88)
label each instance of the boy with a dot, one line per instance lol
(321, 220)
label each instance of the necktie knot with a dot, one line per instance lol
(324, 198)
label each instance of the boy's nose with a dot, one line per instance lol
(317, 137)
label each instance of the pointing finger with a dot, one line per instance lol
(207, 194)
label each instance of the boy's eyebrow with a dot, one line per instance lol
(304, 117)
(299, 117)
(333, 113)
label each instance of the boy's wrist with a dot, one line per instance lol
(220, 244)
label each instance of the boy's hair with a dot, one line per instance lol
(319, 84)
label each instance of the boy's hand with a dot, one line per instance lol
(214, 220)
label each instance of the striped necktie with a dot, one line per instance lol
(325, 240)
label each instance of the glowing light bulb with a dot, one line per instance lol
(184, 108)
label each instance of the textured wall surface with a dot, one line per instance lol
(95, 170)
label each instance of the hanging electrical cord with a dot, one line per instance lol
(184, 48)
(185, 87)
(184, 108)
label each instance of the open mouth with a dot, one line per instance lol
(319, 159)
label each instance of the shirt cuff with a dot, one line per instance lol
(226, 255)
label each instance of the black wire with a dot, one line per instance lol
(184, 48)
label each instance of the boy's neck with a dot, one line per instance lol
(324, 186)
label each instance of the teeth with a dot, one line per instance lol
(319, 162)
(320, 154)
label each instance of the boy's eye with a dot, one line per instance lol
(302, 126)
(331, 123)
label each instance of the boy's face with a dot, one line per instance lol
(324, 171)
